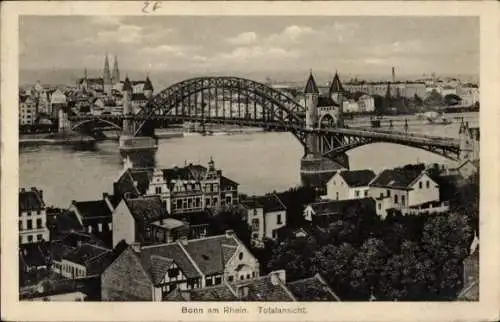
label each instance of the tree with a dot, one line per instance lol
(231, 218)
(434, 99)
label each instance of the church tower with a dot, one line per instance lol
(107, 77)
(127, 109)
(311, 94)
(115, 77)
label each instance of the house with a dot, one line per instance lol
(32, 217)
(63, 223)
(265, 215)
(409, 189)
(95, 216)
(324, 212)
(151, 273)
(349, 184)
(83, 261)
(191, 188)
(270, 288)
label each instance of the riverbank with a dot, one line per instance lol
(55, 139)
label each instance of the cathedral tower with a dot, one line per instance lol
(336, 93)
(107, 77)
(148, 88)
(115, 76)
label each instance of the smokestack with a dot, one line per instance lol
(393, 75)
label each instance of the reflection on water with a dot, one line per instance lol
(259, 162)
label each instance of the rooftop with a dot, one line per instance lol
(397, 178)
(31, 200)
(357, 178)
(269, 203)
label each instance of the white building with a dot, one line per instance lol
(347, 184)
(366, 103)
(265, 215)
(409, 190)
(27, 111)
(32, 217)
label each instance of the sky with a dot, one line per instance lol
(199, 45)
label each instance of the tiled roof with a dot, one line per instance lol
(269, 203)
(324, 101)
(30, 200)
(208, 253)
(85, 253)
(146, 209)
(65, 222)
(170, 251)
(94, 208)
(357, 178)
(311, 87)
(396, 178)
(225, 182)
(312, 289)
(188, 172)
(74, 238)
(338, 207)
(34, 254)
(213, 293)
(263, 289)
(159, 267)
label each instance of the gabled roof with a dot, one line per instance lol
(312, 289)
(269, 202)
(64, 222)
(311, 87)
(211, 253)
(225, 182)
(146, 209)
(34, 254)
(397, 178)
(30, 200)
(338, 207)
(357, 178)
(85, 253)
(172, 251)
(336, 86)
(93, 208)
(148, 86)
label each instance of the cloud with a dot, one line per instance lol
(253, 52)
(171, 50)
(291, 33)
(106, 20)
(123, 34)
(245, 38)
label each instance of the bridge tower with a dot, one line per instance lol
(315, 169)
(469, 142)
(139, 149)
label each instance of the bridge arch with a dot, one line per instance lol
(95, 120)
(274, 104)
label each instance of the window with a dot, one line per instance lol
(275, 234)
(379, 206)
(190, 203)
(420, 185)
(337, 195)
(240, 256)
(39, 237)
(381, 195)
(255, 224)
(207, 202)
(164, 204)
(356, 193)
(179, 203)
(90, 229)
(366, 193)
(248, 276)
(173, 272)
(388, 193)
(278, 219)
(427, 184)
(403, 200)
(215, 201)
(209, 281)
(228, 200)
(230, 278)
(218, 280)
(242, 277)
(30, 238)
(20, 225)
(99, 227)
(253, 274)
(29, 224)
(197, 202)
(158, 190)
(396, 199)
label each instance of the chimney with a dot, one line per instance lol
(229, 233)
(183, 240)
(278, 276)
(136, 247)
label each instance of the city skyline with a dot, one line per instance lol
(352, 45)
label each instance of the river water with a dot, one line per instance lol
(260, 162)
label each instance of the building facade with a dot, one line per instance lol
(347, 184)
(32, 217)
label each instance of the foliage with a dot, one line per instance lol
(231, 218)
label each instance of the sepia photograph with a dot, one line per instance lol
(248, 158)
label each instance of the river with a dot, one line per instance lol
(259, 162)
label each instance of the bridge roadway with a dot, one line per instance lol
(298, 126)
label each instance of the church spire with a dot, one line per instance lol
(116, 71)
(106, 74)
(336, 86)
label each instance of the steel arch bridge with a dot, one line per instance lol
(239, 101)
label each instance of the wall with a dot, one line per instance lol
(338, 185)
(123, 224)
(251, 265)
(257, 214)
(272, 222)
(363, 192)
(420, 195)
(34, 233)
(72, 270)
(125, 280)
